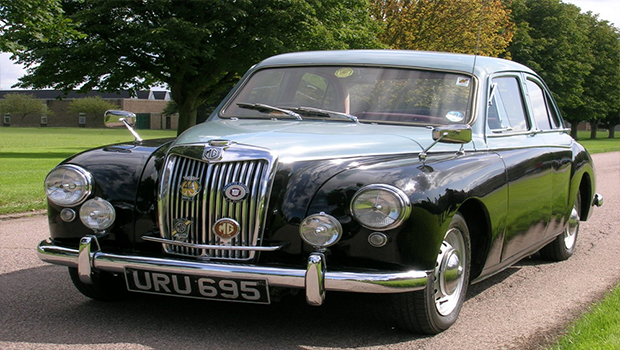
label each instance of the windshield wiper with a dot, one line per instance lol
(325, 113)
(263, 108)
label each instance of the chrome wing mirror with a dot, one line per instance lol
(456, 133)
(117, 119)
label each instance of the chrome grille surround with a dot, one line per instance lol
(214, 165)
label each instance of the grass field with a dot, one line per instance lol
(28, 154)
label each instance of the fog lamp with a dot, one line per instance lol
(320, 230)
(97, 214)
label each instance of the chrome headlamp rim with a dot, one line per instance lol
(400, 195)
(101, 207)
(87, 185)
(322, 224)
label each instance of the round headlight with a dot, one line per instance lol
(380, 207)
(68, 185)
(97, 214)
(320, 230)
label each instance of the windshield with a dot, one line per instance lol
(370, 94)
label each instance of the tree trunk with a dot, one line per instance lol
(573, 130)
(612, 131)
(187, 117)
(593, 130)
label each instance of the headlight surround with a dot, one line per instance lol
(320, 230)
(97, 214)
(68, 185)
(380, 207)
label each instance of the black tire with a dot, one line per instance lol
(563, 246)
(105, 287)
(436, 308)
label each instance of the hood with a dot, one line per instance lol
(307, 140)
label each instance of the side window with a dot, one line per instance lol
(506, 110)
(538, 103)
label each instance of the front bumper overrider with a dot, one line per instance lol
(315, 279)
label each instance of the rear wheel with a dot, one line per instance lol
(437, 307)
(563, 246)
(105, 287)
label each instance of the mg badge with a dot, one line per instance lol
(212, 153)
(180, 229)
(235, 192)
(226, 228)
(190, 187)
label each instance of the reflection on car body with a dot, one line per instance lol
(407, 173)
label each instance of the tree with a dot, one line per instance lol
(198, 48)
(92, 106)
(601, 95)
(479, 26)
(39, 20)
(24, 105)
(551, 37)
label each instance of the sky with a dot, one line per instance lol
(608, 10)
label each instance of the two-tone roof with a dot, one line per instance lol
(479, 65)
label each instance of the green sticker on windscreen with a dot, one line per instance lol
(344, 72)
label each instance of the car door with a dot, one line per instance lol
(515, 137)
(558, 144)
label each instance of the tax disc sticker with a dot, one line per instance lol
(462, 81)
(344, 72)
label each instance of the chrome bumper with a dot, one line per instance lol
(315, 279)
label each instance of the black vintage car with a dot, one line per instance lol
(406, 173)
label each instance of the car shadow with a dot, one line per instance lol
(42, 306)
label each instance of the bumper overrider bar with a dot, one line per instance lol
(315, 279)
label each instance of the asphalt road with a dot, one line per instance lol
(517, 309)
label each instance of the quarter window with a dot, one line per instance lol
(538, 104)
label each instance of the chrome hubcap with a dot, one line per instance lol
(449, 272)
(570, 235)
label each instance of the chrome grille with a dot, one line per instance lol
(195, 217)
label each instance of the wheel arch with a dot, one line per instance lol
(477, 219)
(586, 191)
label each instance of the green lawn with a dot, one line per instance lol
(28, 154)
(599, 329)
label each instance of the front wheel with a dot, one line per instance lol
(436, 308)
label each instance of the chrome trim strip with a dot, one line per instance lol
(209, 246)
(360, 282)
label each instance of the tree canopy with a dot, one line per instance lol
(37, 20)
(199, 49)
(577, 54)
(94, 107)
(476, 27)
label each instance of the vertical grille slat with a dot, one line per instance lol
(211, 205)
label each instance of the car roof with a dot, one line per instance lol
(398, 58)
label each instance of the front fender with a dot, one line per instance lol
(117, 172)
(436, 190)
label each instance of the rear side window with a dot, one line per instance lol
(506, 110)
(542, 110)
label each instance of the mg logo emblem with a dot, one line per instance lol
(212, 153)
(226, 228)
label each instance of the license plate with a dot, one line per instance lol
(201, 287)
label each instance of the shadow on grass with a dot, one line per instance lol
(30, 155)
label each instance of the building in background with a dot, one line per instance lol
(148, 106)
